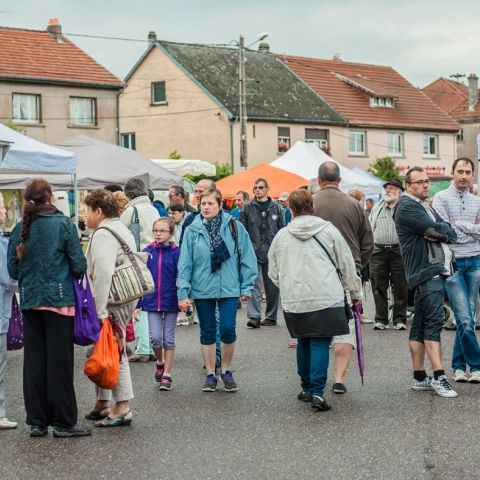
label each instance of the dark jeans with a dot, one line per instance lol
(272, 293)
(386, 268)
(312, 363)
(429, 315)
(48, 369)
(227, 319)
(462, 289)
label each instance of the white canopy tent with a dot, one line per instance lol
(305, 158)
(186, 167)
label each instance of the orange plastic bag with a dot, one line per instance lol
(104, 364)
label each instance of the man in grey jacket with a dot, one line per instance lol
(262, 218)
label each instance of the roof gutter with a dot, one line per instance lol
(63, 83)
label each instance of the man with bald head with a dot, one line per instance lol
(348, 216)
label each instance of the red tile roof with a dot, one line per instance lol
(37, 55)
(413, 109)
(447, 94)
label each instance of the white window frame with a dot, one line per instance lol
(129, 136)
(19, 113)
(320, 143)
(89, 120)
(159, 102)
(355, 135)
(386, 102)
(427, 137)
(394, 140)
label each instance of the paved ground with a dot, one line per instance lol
(382, 430)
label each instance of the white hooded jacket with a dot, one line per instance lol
(298, 265)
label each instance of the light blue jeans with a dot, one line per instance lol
(462, 289)
(142, 333)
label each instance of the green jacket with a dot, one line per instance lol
(53, 256)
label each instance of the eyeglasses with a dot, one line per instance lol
(420, 182)
(258, 187)
(160, 231)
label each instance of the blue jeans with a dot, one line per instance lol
(462, 289)
(227, 310)
(312, 363)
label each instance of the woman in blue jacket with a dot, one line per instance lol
(217, 266)
(162, 304)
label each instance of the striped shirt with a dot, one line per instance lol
(383, 226)
(462, 210)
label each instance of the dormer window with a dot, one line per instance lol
(387, 102)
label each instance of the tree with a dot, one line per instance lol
(385, 168)
(221, 170)
(15, 127)
(174, 155)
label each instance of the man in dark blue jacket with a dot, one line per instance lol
(428, 261)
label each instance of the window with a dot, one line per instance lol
(356, 143)
(430, 145)
(128, 141)
(83, 111)
(395, 144)
(159, 95)
(317, 136)
(382, 102)
(460, 136)
(283, 139)
(26, 108)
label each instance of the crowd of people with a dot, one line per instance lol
(309, 255)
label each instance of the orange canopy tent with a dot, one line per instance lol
(279, 181)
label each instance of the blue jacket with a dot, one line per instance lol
(422, 258)
(54, 255)
(195, 278)
(7, 287)
(163, 262)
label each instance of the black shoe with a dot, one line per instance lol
(320, 404)
(68, 432)
(304, 396)
(339, 388)
(253, 323)
(38, 431)
(269, 323)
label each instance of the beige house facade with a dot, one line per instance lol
(53, 90)
(183, 98)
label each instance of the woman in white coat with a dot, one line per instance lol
(306, 260)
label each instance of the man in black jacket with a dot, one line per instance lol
(428, 261)
(262, 218)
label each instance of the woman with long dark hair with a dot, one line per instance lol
(43, 255)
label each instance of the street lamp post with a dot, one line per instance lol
(242, 96)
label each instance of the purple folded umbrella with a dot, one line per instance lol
(357, 315)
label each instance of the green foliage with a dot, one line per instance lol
(15, 127)
(385, 168)
(174, 155)
(222, 170)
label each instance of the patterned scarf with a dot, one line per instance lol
(218, 250)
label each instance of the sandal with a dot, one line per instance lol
(97, 414)
(118, 421)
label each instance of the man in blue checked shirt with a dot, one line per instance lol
(461, 209)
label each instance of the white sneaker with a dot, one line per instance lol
(474, 377)
(380, 326)
(423, 385)
(461, 376)
(6, 424)
(400, 326)
(443, 388)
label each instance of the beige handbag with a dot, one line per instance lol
(131, 279)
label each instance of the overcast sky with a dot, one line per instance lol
(421, 39)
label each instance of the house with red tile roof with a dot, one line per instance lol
(460, 101)
(54, 90)
(386, 115)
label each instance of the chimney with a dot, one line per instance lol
(264, 47)
(55, 29)
(152, 36)
(472, 92)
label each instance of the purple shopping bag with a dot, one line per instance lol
(86, 327)
(15, 327)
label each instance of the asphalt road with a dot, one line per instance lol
(382, 430)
